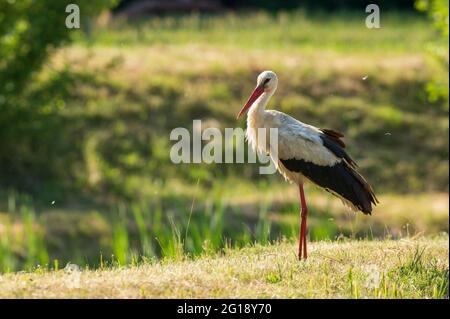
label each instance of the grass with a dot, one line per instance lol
(206, 222)
(125, 113)
(345, 269)
(298, 31)
(141, 226)
(108, 107)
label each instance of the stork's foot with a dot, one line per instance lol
(302, 255)
(300, 244)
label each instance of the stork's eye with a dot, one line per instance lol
(266, 81)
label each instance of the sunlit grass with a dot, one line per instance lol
(206, 222)
(299, 30)
(152, 90)
(131, 83)
(345, 269)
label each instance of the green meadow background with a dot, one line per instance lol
(85, 118)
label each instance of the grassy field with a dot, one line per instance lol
(125, 101)
(109, 101)
(105, 106)
(284, 31)
(346, 269)
(205, 222)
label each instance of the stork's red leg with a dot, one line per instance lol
(304, 212)
(300, 241)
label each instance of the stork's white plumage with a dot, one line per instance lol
(305, 153)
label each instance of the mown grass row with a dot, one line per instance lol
(408, 268)
(297, 30)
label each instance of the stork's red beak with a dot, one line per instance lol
(255, 95)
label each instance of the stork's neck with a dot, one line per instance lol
(259, 105)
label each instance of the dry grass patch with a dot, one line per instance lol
(350, 269)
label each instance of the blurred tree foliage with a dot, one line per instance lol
(29, 31)
(438, 11)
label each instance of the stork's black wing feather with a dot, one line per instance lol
(332, 140)
(340, 179)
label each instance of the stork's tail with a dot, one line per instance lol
(360, 194)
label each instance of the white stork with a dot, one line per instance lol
(305, 153)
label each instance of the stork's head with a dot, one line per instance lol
(266, 82)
